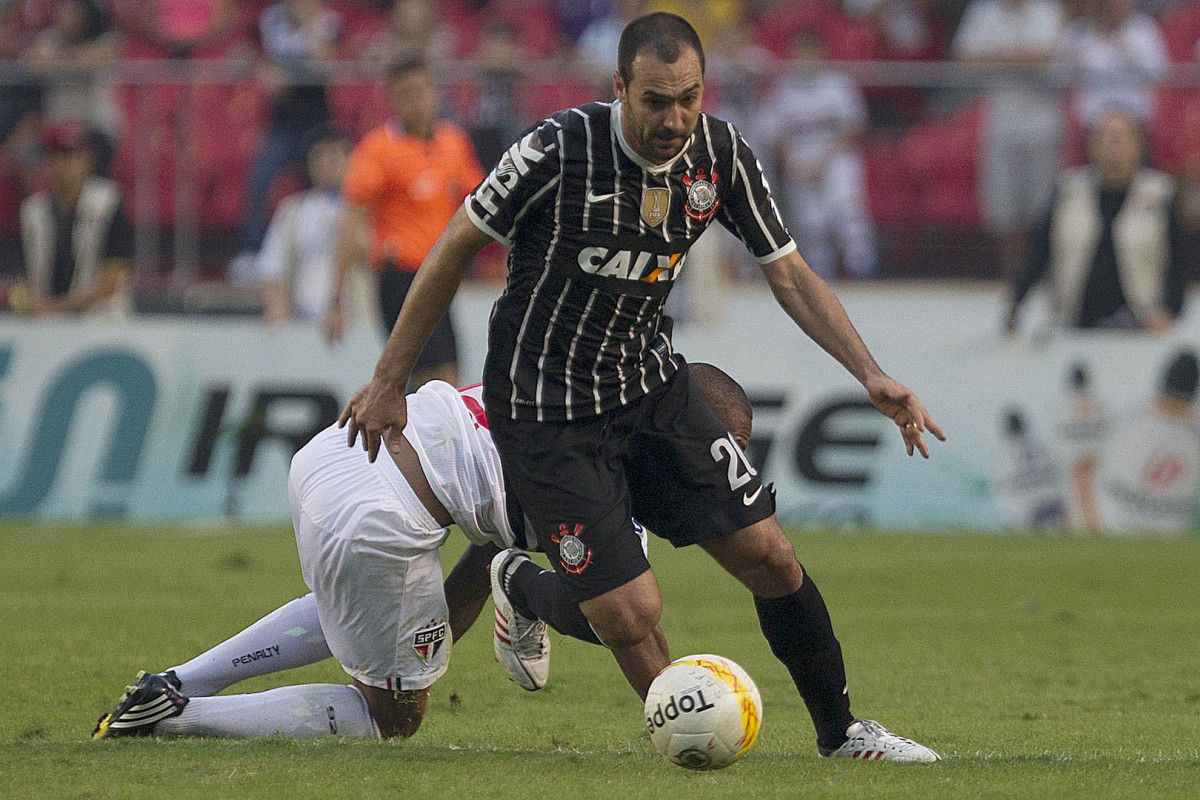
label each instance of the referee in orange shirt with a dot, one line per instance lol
(406, 179)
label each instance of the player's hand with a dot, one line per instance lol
(373, 411)
(898, 402)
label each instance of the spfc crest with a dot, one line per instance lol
(655, 204)
(428, 641)
(702, 199)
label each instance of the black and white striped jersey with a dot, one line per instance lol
(598, 235)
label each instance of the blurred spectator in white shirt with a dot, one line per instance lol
(597, 45)
(415, 27)
(1114, 56)
(1019, 156)
(903, 24)
(74, 58)
(812, 121)
(296, 260)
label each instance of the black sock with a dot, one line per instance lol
(537, 592)
(800, 634)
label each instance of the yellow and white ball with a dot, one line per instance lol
(703, 712)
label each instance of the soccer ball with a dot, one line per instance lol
(703, 712)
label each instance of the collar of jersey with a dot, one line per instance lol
(648, 166)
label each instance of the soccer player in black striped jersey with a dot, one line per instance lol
(588, 402)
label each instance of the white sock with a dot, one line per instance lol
(309, 711)
(288, 637)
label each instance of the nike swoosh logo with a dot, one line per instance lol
(748, 499)
(592, 197)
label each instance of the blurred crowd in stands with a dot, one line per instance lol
(908, 138)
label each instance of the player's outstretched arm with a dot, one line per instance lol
(810, 302)
(380, 405)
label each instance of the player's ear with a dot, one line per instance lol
(619, 87)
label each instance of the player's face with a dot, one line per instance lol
(661, 103)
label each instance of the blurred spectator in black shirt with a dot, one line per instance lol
(1110, 245)
(496, 120)
(76, 240)
(299, 39)
(19, 101)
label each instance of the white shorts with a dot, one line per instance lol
(369, 553)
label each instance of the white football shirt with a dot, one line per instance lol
(448, 429)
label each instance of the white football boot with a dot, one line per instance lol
(870, 741)
(522, 645)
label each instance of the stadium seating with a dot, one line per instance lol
(941, 157)
(891, 186)
(536, 22)
(195, 145)
(844, 38)
(1181, 29)
(1176, 133)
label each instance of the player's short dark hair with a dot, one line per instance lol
(404, 64)
(668, 34)
(724, 396)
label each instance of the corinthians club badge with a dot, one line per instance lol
(655, 204)
(574, 555)
(702, 200)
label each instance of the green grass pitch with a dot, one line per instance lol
(1040, 667)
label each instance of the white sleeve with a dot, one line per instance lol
(271, 257)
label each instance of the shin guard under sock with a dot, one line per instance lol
(540, 593)
(800, 633)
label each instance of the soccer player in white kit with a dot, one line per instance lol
(368, 536)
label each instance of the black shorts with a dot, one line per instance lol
(442, 347)
(664, 459)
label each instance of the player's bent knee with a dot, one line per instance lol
(625, 627)
(627, 615)
(398, 715)
(776, 571)
(779, 560)
(762, 558)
